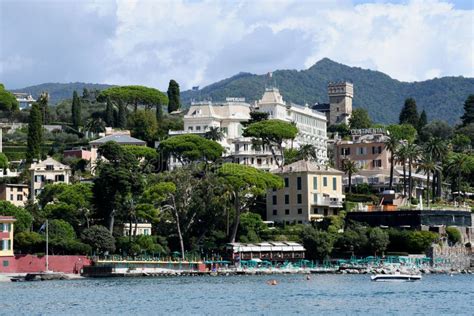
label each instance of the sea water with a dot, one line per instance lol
(230, 295)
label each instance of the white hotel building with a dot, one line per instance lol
(228, 116)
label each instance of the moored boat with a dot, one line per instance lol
(396, 277)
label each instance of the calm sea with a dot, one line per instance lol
(323, 294)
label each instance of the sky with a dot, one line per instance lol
(200, 42)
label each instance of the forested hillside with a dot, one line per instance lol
(381, 95)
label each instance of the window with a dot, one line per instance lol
(287, 199)
(198, 128)
(287, 212)
(345, 151)
(18, 189)
(11, 197)
(325, 181)
(299, 198)
(5, 263)
(190, 128)
(300, 211)
(334, 183)
(298, 183)
(361, 151)
(275, 212)
(376, 150)
(287, 182)
(146, 232)
(236, 147)
(300, 222)
(49, 167)
(274, 199)
(315, 183)
(59, 178)
(19, 197)
(325, 212)
(315, 210)
(377, 163)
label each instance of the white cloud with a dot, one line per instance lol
(199, 42)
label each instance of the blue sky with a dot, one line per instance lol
(198, 42)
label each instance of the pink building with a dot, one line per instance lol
(77, 153)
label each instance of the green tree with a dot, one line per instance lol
(251, 227)
(342, 129)
(245, 184)
(76, 111)
(391, 144)
(109, 113)
(122, 115)
(3, 161)
(60, 230)
(318, 243)
(256, 116)
(99, 238)
(438, 149)
(214, 133)
(428, 166)
(436, 129)
(191, 148)
(273, 133)
(23, 217)
(458, 165)
(143, 125)
(95, 125)
(159, 112)
(468, 116)
(420, 241)
(454, 236)
(413, 154)
(409, 113)
(133, 95)
(360, 119)
(402, 132)
(307, 152)
(29, 242)
(349, 167)
(44, 108)
(174, 103)
(422, 121)
(378, 240)
(8, 101)
(461, 143)
(35, 134)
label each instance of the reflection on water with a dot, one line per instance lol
(328, 294)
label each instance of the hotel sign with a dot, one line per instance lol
(235, 99)
(367, 131)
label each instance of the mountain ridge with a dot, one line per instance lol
(381, 95)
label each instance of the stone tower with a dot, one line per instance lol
(340, 100)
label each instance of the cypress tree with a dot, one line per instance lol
(159, 111)
(35, 134)
(422, 121)
(76, 111)
(43, 107)
(174, 102)
(122, 115)
(468, 116)
(409, 113)
(109, 114)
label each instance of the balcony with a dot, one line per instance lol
(327, 201)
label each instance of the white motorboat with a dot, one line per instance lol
(396, 277)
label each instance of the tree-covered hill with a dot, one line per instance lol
(381, 95)
(61, 91)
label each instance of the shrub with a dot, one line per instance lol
(99, 238)
(454, 236)
(362, 198)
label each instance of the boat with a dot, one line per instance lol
(396, 277)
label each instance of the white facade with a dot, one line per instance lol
(141, 229)
(46, 172)
(311, 124)
(25, 100)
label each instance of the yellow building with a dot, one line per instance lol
(6, 236)
(311, 191)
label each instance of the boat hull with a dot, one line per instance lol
(395, 278)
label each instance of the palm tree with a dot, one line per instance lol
(459, 164)
(349, 167)
(413, 154)
(427, 165)
(95, 125)
(214, 133)
(438, 149)
(307, 152)
(391, 144)
(402, 157)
